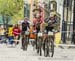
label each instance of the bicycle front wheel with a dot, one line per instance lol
(39, 45)
(51, 48)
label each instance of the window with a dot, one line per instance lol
(51, 6)
(68, 3)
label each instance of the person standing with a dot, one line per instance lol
(10, 34)
(16, 33)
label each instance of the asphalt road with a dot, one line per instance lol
(8, 53)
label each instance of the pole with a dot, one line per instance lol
(3, 20)
(24, 9)
(31, 13)
(74, 23)
(63, 26)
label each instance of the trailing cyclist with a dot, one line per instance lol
(25, 27)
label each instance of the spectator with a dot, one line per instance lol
(10, 34)
(16, 33)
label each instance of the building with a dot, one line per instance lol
(26, 8)
(73, 39)
(66, 11)
(68, 19)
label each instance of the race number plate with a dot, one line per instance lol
(26, 33)
(40, 34)
(50, 33)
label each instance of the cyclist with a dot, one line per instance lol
(25, 27)
(49, 27)
(25, 24)
(38, 23)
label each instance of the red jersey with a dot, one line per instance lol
(35, 21)
(16, 31)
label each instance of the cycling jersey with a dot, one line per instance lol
(37, 24)
(24, 26)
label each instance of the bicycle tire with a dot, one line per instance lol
(52, 47)
(39, 50)
(46, 48)
(23, 46)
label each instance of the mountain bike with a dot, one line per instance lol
(49, 44)
(25, 40)
(39, 43)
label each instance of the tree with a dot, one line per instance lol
(9, 8)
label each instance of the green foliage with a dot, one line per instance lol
(10, 7)
(17, 17)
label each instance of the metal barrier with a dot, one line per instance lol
(65, 45)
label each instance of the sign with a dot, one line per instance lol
(57, 38)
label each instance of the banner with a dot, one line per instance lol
(57, 38)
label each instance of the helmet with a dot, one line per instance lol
(26, 18)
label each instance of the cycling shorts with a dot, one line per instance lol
(49, 28)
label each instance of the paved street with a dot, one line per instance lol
(8, 53)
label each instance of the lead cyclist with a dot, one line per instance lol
(38, 25)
